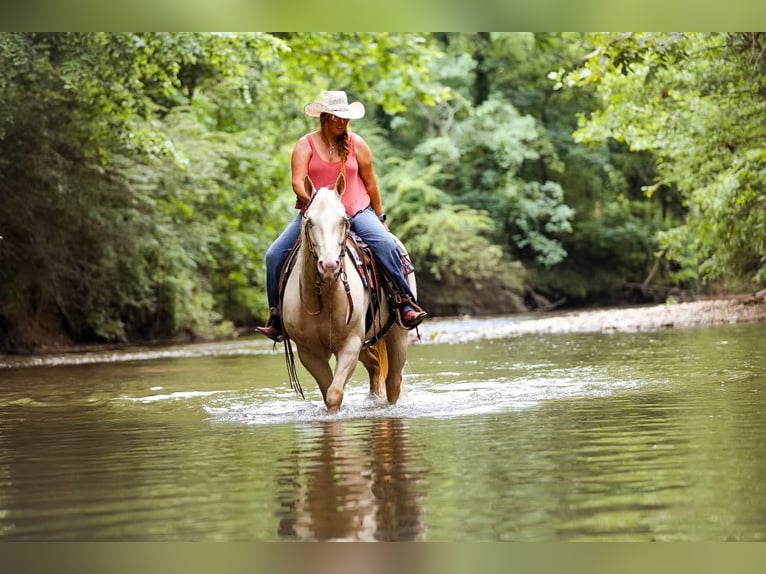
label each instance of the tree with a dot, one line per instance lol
(163, 160)
(91, 249)
(459, 269)
(692, 100)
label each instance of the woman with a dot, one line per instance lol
(321, 155)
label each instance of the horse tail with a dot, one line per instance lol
(383, 358)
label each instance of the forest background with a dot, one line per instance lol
(144, 175)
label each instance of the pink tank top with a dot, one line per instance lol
(325, 174)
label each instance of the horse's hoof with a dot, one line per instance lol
(333, 400)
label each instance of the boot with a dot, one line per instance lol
(411, 317)
(273, 328)
(409, 313)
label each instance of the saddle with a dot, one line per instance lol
(373, 278)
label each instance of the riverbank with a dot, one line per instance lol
(706, 312)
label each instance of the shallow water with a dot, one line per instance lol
(635, 437)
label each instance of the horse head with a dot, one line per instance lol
(326, 226)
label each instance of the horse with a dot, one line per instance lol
(325, 304)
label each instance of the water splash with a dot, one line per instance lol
(424, 397)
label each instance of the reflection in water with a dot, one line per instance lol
(623, 437)
(347, 485)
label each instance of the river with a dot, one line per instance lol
(543, 437)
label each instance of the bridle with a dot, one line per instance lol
(319, 281)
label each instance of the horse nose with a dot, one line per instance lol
(328, 267)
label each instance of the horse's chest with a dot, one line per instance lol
(331, 328)
(326, 341)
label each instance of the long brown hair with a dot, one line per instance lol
(343, 139)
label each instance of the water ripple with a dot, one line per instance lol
(425, 397)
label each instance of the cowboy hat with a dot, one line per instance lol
(335, 103)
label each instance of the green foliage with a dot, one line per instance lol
(581, 257)
(484, 155)
(391, 70)
(459, 270)
(692, 100)
(610, 256)
(93, 245)
(144, 175)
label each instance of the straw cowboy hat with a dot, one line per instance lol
(335, 103)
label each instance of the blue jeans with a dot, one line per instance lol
(366, 225)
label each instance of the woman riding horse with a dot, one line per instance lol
(325, 307)
(322, 155)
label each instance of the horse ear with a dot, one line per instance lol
(308, 185)
(340, 183)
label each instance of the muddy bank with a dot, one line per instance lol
(731, 310)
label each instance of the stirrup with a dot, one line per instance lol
(401, 301)
(273, 328)
(416, 318)
(272, 332)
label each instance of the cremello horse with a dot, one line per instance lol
(325, 303)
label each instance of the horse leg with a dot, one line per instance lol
(396, 350)
(318, 364)
(345, 363)
(373, 358)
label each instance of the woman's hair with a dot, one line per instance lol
(342, 139)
